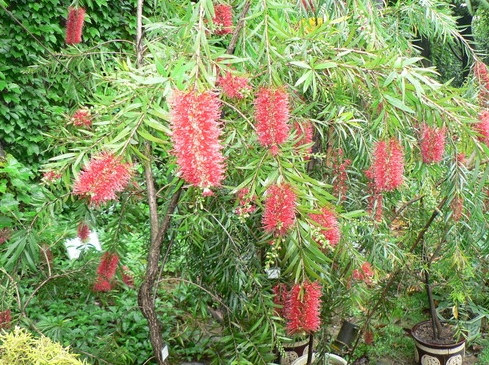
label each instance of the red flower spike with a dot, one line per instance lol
(223, 19)
(195, 128)
(279, 211)
(432, 143)
(457, 207)
(280, 298)
(81, 118)
(482, 127)
(83, 232)
(127, 277)
(5, 319)
(102, 285)
(388, 165)
(74, 25)
(103, 176)
(304, 132)
(108, 265)
(303, 308)
(329, 225)
(233, 87)
(272, 115)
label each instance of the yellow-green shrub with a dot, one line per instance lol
(19, 347)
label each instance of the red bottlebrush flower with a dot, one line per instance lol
(279, 211)
(329, 225)
(303, 308)
(368, 337)
(223, 19)
(83, 232)
(195, 134)
(272, 115)
(304, 133)
(375, 199)
(103, 176)
(340, 166)
(457, 207)
(234, 87)
(102, 285)
(108, 265)
(127, 276)
(432, 143)
(74, 25)
(280, 292)
(388, 165)
(365, 273)
(482, 127)
(5, 319)
(81, 118)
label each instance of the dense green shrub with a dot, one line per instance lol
(31, 98)
(19, 347)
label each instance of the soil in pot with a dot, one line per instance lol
(424, 333)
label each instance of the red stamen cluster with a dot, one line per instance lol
(127, 276)
(279, 211)
(103, 176)
(81, 118)
(234, 87)
(106, 272)
(304, 132)
(457, 207)
(223, 19)
(280, 292)
(303, 308)
(272, 115)
(328, 223)
(83, 232)
(340, 166)
(365, 273)
(195, 134)
(482, 127)
(375, 200)
(74, 25)
(388, 165)
(5, 319)
(432, 143)
(481, 74)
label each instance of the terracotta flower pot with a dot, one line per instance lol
(428, 352)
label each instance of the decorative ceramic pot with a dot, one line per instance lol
(292, 351)
(327, 359)
(428, 353)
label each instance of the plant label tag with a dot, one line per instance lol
(273, 272)
(164, 352)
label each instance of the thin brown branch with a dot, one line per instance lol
(239, 26)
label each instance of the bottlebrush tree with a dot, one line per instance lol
(296, 137)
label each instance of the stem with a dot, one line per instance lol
(139, 33)
(237, 30)
(146, 295)
(310, 348)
